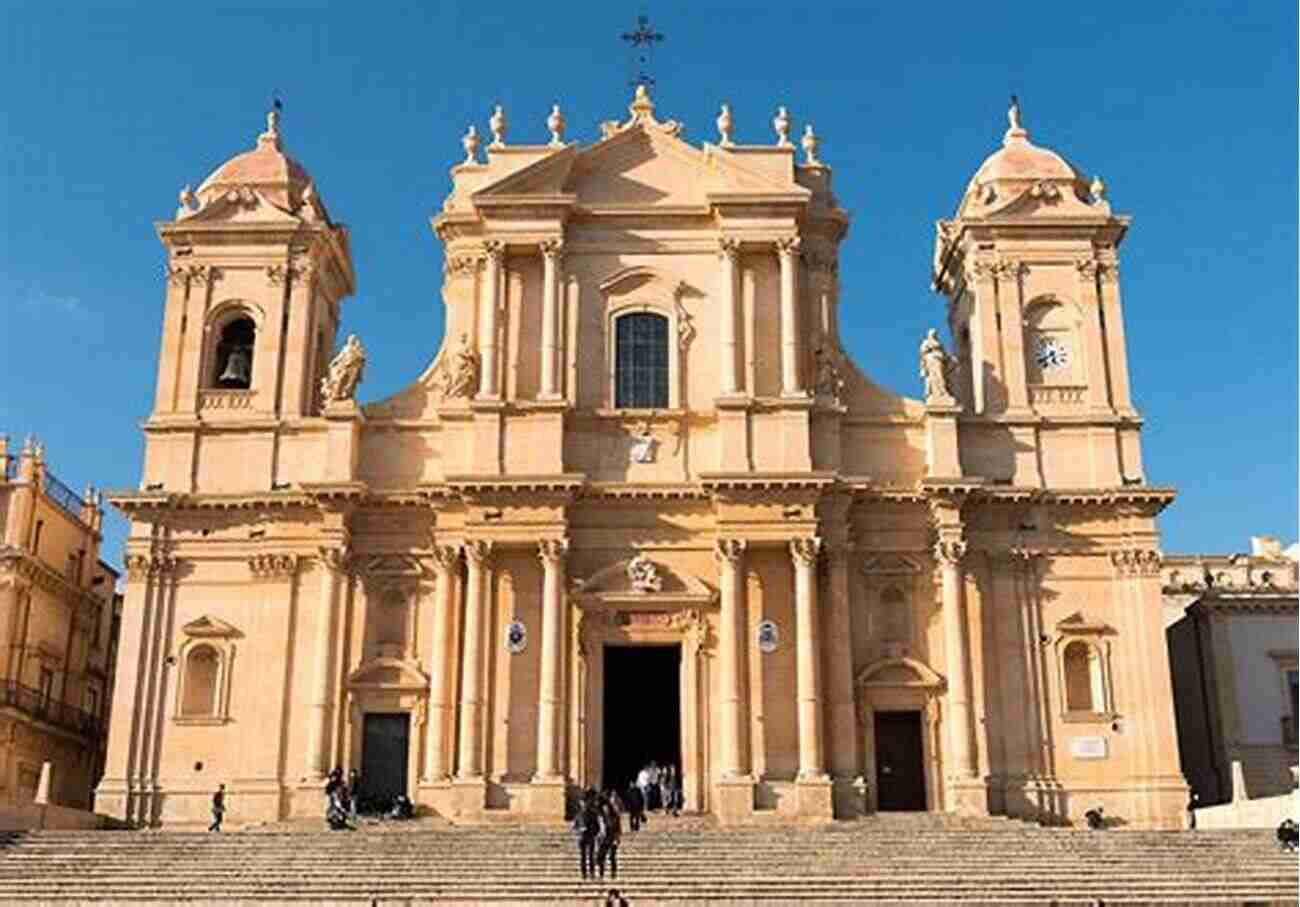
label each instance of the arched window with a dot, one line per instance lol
(202, 670)
(641, 361)
(233, 363)
(1085, 689)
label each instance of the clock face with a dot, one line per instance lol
(1051, 353)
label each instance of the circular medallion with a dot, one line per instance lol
(516, 637)
(768, 637)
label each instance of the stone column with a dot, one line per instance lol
(842, 717)
(551, 694)
(1116, 350)
(551, 252)
(477, 554)
(787, 251)
(728, 253)
(948, 551)
(731, 561)
(804, 552)
(487, 326)
(437, 765)
(318, 724)
(1094, 348)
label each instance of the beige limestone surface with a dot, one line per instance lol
(979, 568)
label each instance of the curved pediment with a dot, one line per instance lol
(642, 579)
(899, 671)
(388, 674)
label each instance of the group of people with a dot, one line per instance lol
(659, 787)
(340, 800)
(598, 820)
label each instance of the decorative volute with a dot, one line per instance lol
(266, 170)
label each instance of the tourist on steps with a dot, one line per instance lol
(586, 826)
(354, 785)
(336, 801)
(635, 807)
(611, 834)
(666, 788)
(218, 808)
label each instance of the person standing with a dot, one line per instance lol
(635, 807)
(218, 808)
(586, 826)
(611, 834)
(643, 786)
(652, 786)
(354, 796)
(677, 796)
(666, 788)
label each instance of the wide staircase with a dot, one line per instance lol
(899, 859)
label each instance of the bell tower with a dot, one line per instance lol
(256, 271)
(1030, 268)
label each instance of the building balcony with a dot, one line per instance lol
(34, 703)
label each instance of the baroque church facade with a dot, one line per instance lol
(641, 478)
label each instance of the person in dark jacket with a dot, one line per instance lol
(218, 808)
(611, 834)
(586, 827)
(635, 807)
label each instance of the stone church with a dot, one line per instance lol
(641, 505)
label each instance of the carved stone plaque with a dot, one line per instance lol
(1088, 747)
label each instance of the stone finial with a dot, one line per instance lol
(470, 142)
(1098, 189)
(498, 126)
(188, 203)
(1015, 131)
(724, 127)
(810, 143)
(555, 123)
(641, 105)
(781, 123)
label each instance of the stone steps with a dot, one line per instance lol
(906, 861)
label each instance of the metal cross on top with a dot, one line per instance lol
(642, 42)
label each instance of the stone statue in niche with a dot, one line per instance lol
(936, 366)
(460, 375)
(644, 445)
(643, 575)
(829, 383)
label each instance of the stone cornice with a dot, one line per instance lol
(19, 568)
(1216, 602)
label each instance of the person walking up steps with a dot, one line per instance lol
(218, 808)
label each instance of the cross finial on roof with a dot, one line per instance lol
(642, 42)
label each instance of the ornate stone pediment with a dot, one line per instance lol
(1079, 625)
(210, 627)
(386, 565)
(388, 674)
(899, 672)
(642, 579)
(891, 564)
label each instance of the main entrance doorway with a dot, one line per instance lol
(384, 750)
(900, 770)
(643, 710)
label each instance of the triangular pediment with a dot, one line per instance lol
(890, 564)
(391, 565)
(209, 627)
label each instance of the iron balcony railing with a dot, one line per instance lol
(62, 495)
(38, 705)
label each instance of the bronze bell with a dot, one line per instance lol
(237, 372)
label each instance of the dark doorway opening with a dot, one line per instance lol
(643, 710)
(385, 746)
(900, 768)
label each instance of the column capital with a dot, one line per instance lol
(446, 557)
(272, 566)
(805, 550)
(730, 551)
(788, 246)
(949, 551)
(552, 249)
(552, 552)
(1137, 562)
(728, 248)
(495, 250)
(478, 552)
(333, 557)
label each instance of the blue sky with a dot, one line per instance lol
(1189, 114)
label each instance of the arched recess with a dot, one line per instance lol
(230, 326)
(1055, 352)
(646, 290)
(900, 684)
(1084, 683)
(206, 662)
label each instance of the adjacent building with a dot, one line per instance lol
(1232, 624)
(59, 620)
(641, 504)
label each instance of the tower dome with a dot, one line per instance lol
(1016, 166)
(278, 178)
